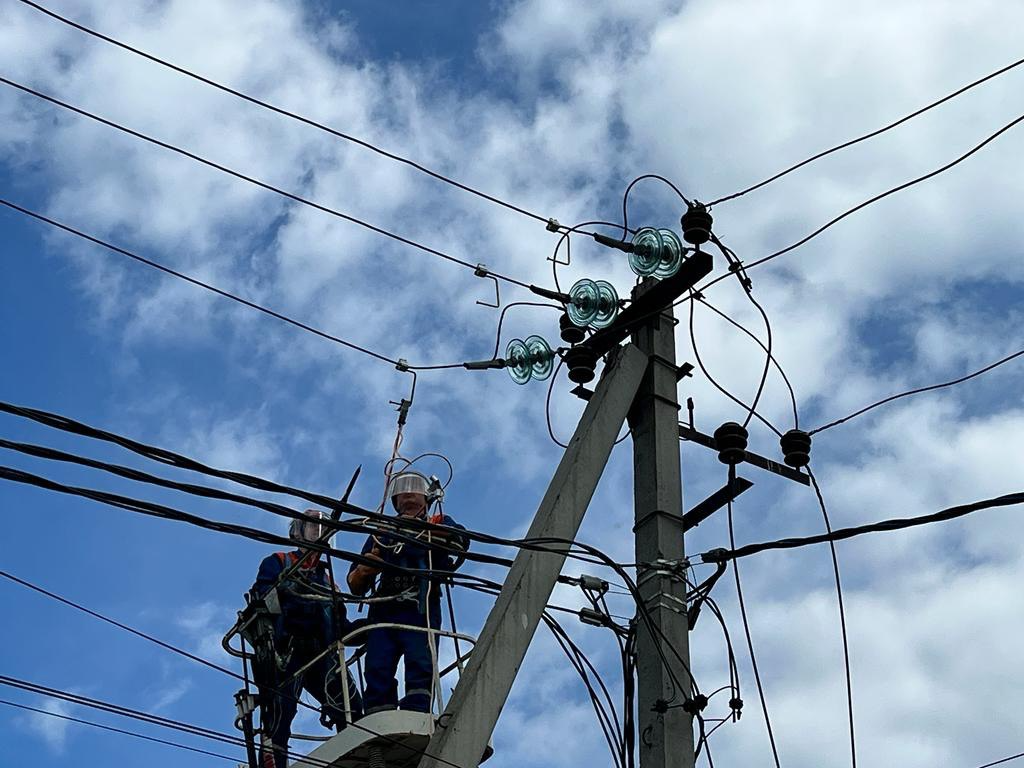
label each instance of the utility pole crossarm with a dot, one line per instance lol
(469, 719)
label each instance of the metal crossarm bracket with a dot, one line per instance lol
(695, 436)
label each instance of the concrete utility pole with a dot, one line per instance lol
(665, 739)
(640, 380)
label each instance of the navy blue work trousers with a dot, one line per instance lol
(278, 708)
(384, 648)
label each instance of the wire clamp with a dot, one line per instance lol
(695, 705)
(402, 365)
(553, 225)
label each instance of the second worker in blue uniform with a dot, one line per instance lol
(409, 594)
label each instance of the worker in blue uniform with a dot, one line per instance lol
(407, 598)
(305, 627)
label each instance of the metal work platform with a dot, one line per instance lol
(403, 736)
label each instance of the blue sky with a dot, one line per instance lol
(554, 105)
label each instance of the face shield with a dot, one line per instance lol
(408, 482)
(310, 529)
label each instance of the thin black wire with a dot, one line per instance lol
(719, 387)
(842, 617)
(286, 113)
(874, 199)
(751, 334)
(567, 240)
(214, 289)
(121, 731)
(252, 180)
(746, 627)
(736, 265)
(506, 308)
(146, 717)
(867, 136)
(547, 405)
(609, 723)
(917, 391)
(1004, 760)
(625, 197)
(896, 524)
(118, 624)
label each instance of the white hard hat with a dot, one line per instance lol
(308, 530)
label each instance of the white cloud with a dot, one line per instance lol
(52, 730)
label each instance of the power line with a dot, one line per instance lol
(870, 135)
(119, 625)
(746, 627)
(110, 728)
(842, 616)
(919, 390)
(1004, 760)
(286, 113)
(146, 717)
(752, 335)
(209, 287)
(183, 462)
(874, 199)
(951, 513)
(262, 184)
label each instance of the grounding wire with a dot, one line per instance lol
(286, 113)
(917, 391)
(215, 289)
(842, 616)
(875, 199)
(262, 184)
(746, 627)
(870, 135)
(68, 718)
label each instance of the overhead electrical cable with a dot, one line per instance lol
(917, 391)
(746, 627)
(80, 721)
(1003, 760)
(871, 200)
(182, 462)
(286, 113)
(736, 266)
(148, 717)
(118, 624)
(870, 135)
(842, 616)
(217, 493)
(214, 289)
(262, 184)
(700, 363)
(775, 362)
(840, 534)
